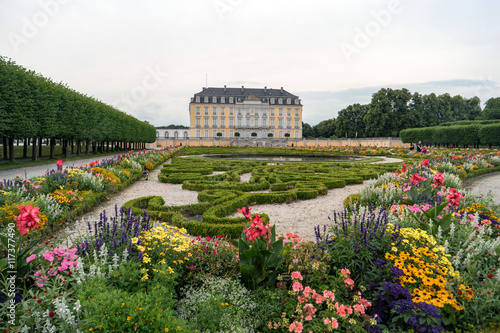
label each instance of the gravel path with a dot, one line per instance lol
(38, 170)
(299, 217)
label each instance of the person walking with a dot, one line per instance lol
(419, 147)
(412, 147)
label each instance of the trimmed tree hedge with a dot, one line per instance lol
(473, 134)
(35, 107)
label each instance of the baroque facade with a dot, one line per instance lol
(244, 111)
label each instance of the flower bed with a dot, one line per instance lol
(416, 251)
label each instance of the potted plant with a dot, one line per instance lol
(237, 134)
(287, 135)
(254, 134)
(269, 135)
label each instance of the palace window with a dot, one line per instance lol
(206, 110)
(198, 110)
(206, 121)
(197, 99)
(297, 112)
(198, 134)
(280, 112)
(214, 122)
(214, 99)
(231, 122)
(231, 111)
(222, 110)
(223, 99)
(214, 110)
(272, 112)
(289, 112)
(205, 99)
(198, 121)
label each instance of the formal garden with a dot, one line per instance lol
(415, 251)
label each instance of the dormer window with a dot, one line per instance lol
(214, 99)
(296, 101)
(288, 101)
(280, 101)
(272, 100)
(223, 99)
(197, 99)
(231, 100)
(205, 99)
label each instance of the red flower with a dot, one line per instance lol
(454, 197)
(27, 219)
(438, 178)
(246, 212)
(490, 276)
(51, 314)
(424, 163)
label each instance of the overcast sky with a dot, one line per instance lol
(148, 58)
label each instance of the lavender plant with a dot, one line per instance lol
(359, 241)
(114, 234)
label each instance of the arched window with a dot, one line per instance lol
(166, 135)
(157, 134)
(176, 135)
(185, 135)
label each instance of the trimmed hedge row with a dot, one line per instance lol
(473, 134)
(223, 194)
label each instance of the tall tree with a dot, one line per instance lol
(350, 121)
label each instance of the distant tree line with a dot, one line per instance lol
(33, 108)
(393, 110)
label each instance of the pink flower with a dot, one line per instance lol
(424, 163)
(295, 261)
(30, 258)
(297, 275)
(27, 219)
(296, 326)
(345, 271)
(335, 323)
(297, 286)
(48, 256)
(341, 309)
(59, 164)
(359, 308)
(349, 282)
(454, 197)
(438, 178)
(327, 321)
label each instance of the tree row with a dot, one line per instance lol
(33, 107)
(393, 110)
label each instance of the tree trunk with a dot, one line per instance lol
(12, 156)
(78, 147)
(52, 147)
(40, 146)
(34, 157)
(5, 149)
(65, 147)
(25, 148)
(72, 149)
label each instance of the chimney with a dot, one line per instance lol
(265, 89)
(225, 89)
(242, 88)
(204, 88)
(281, 89)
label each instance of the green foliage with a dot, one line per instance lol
(260, 259)
(34, 106)
(219, 305)
(114, 305)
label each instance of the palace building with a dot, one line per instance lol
(244, 111)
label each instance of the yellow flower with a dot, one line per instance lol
(135, 240)
(394, 249)
(128, 318)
